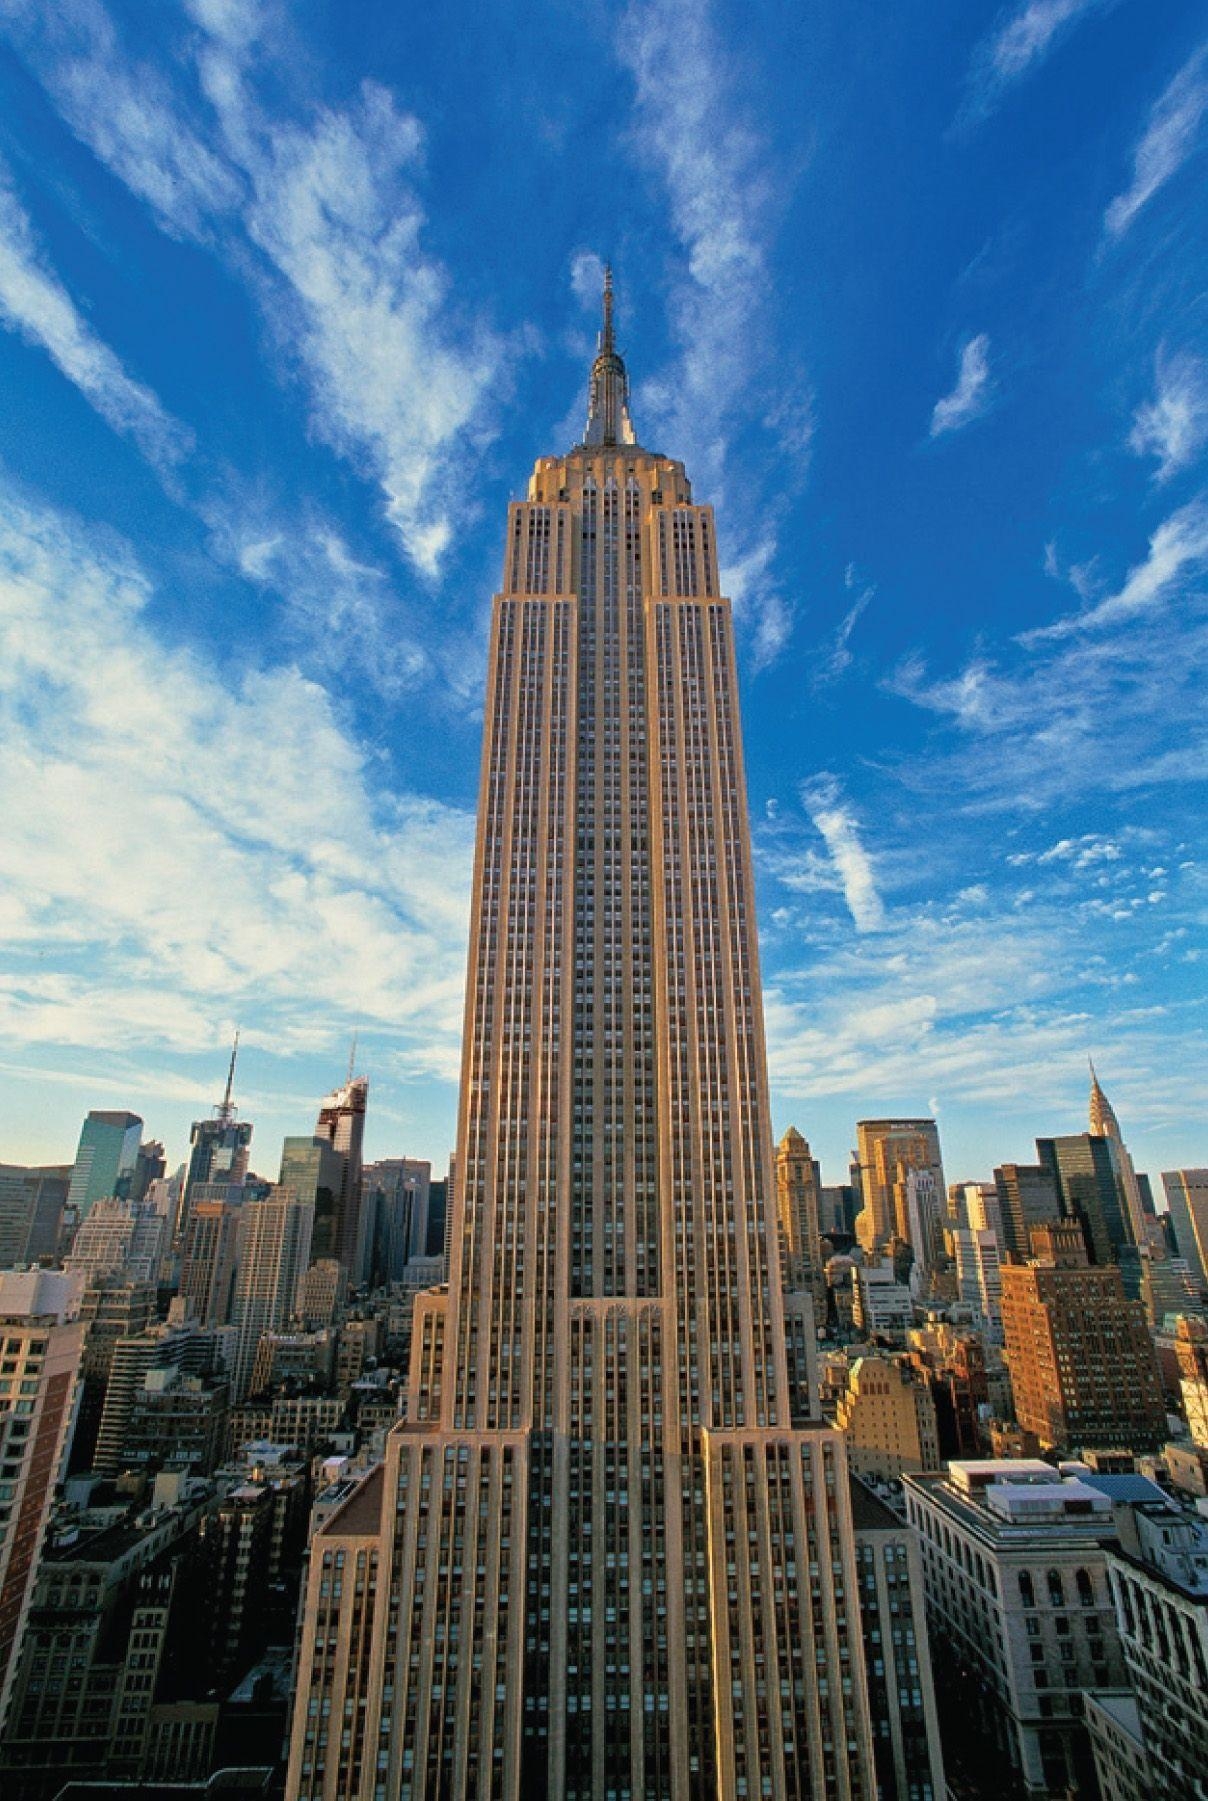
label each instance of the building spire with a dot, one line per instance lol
(352, 1057)
(226, 1108)
(606, 339)
(608, 420)
(1103, 1121)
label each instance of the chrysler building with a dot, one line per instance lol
(608, 1553)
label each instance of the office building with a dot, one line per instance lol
(31, 1209)
(1104, 1124)
(1187, 1199)
(1020, 1614)
(1083, 1368)
(1154, 1741)
(897, 1656)
(1085, 1170)
(218, 1146)
(397, 1198)
(41, 1339)
(979, 1281)
(209, 1261)
(273, 1253)
(886, 1150)
(613, 1516)
(341, 1124)
(123, 1238)
(157, 1348)
(1027, 1197)
(798, 1180)
(883, 1307)
(887, 1418)
(105, 1159)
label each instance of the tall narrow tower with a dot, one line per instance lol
(610, 1564)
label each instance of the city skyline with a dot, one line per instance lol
(953, 416)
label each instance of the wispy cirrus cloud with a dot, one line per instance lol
(1022, 38)
(318, 209)
(1178, 547)
(973, 392)
(725, 381)
(1170, 136)
(987, 993)
(283, 890)
(1173, 426)
(836, 822)
(840, 657)
(1104, 700)
(35, 303)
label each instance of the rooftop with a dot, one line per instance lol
(360, 1516)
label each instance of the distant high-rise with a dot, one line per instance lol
(1083, 1368)
(887, 1150)
(1027, 1196)
(342, 1123)
(218, 1148)
(31, 1208)
(610, 1565)
(106, 1159)
(1086, 1173)
(1187, 1199)
(1104, 1124)
(798, 1182)
(273, 1254)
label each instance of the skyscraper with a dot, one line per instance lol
(105, 1160)
(1187, 1199)
(342, 1124)
(1083, 1368)
(1086, 1173)
(218, 1147)
(797, 1184)
(1104, 1124)
(888, 1149)
(615, 1568)
(40, 1343)
(272, 1255)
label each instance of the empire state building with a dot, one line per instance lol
(607, 1554)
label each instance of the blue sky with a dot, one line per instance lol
(292, 298)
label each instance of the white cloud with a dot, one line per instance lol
(711, 165)
(838, 828)
(840, 656)
(587, 278)
(235, 861)
(1019, 43)
(322, 216)
(34, 302)
(971, 395)
(1173, 426)
(1179, 546)
(1168, 140)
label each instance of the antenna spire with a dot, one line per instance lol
(608, 420)
(226, 1109)
(607, 345)
(352, 1056)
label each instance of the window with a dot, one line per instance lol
(1026, 1591)
(1056, 1589)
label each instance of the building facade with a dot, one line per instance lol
(105, 1159)
(887, 1149)
(601, 1542)
(897, 1655)
(40, 1344)
(1020, 1614)
(1187, 1199)
(1084, 1372)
